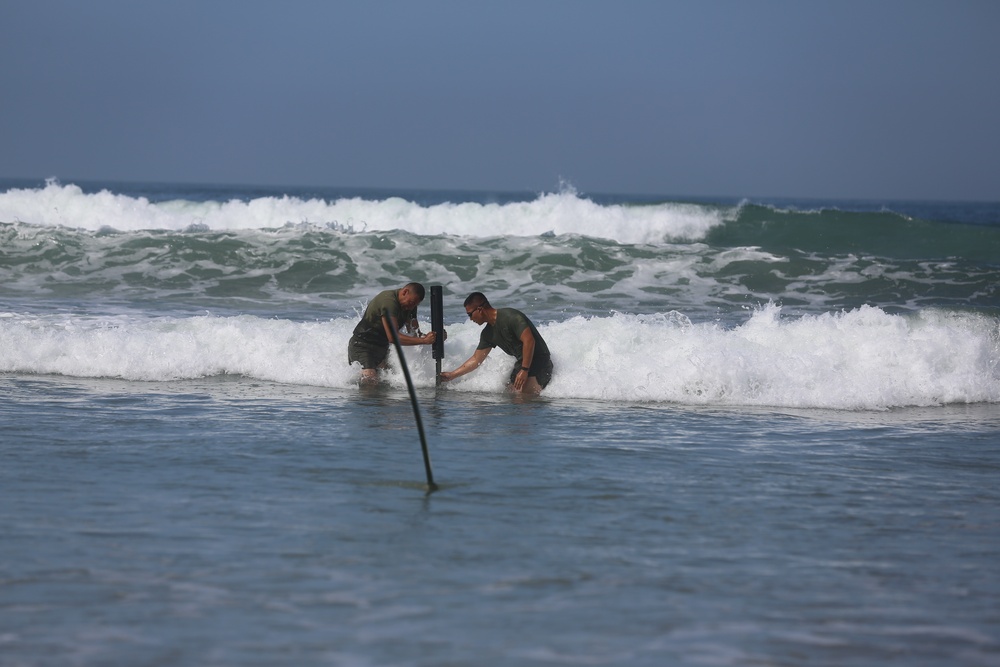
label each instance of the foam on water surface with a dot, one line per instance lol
(863, 359)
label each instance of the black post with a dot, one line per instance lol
(431, 486)
(437, 326)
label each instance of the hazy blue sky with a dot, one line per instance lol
(865, 99)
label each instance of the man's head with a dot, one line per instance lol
(475, 304)
(411, 295)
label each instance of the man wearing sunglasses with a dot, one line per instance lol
(514, 333)
(369, 345)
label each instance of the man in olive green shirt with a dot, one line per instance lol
(369, 345)
(514, 333)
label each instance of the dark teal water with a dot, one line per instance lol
(304, 253)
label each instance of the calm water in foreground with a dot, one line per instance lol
(229, 521)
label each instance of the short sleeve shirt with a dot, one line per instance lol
(370, 329)
(506, 334)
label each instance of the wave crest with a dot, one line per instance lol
(564, 212)
(864, 359)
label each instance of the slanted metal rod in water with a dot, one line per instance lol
(431, 486)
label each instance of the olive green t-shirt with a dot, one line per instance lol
(506, 334)
(370, 329)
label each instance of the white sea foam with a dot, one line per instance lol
(558, 213)
(863, 359)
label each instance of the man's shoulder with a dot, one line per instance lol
(386, 298)
(510, 313)
(512, 317)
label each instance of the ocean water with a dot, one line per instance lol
(773, 435)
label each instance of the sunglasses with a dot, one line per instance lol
(469, 312)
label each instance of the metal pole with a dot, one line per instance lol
(437, 326)
(431, 486)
